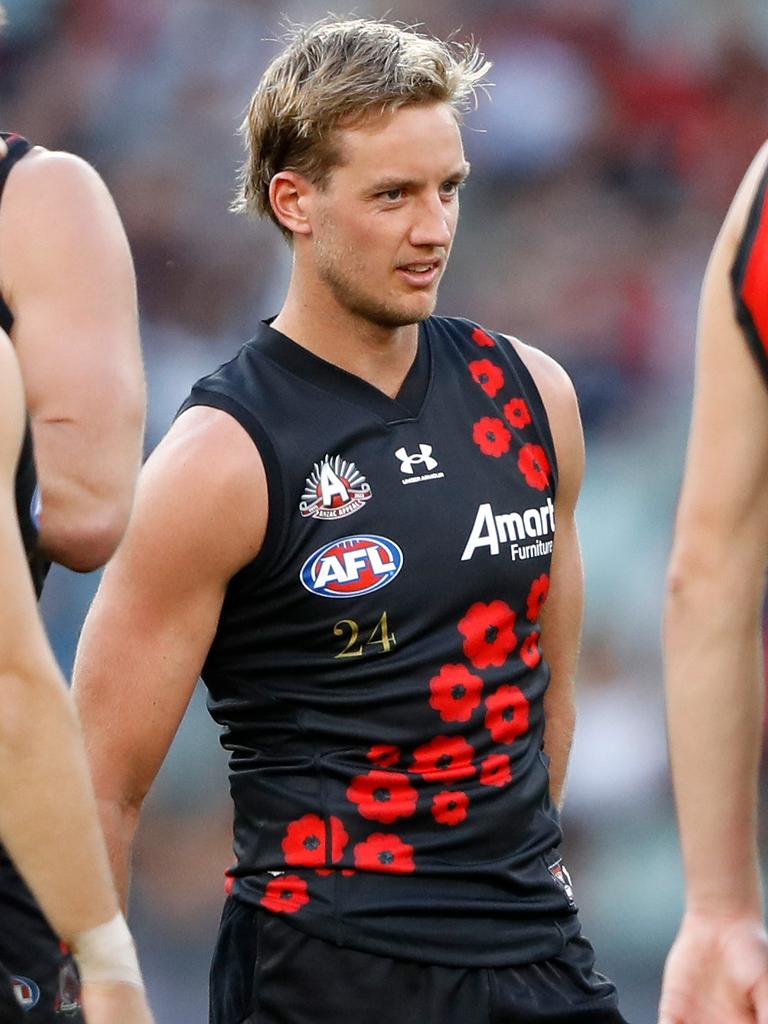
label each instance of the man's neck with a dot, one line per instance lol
(379, 355)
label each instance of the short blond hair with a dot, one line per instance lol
(336, 73)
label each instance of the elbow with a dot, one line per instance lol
(87, 544)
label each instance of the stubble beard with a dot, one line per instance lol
(335, 272)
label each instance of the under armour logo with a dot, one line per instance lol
(407, 462)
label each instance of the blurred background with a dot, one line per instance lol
(616, 133)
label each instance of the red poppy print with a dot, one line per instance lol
(536, 597)
(507, 715)
(534, 465)
(482, 338)
(383, 796)
(488, 375)
(384, 755)
(491, 436)
(530, 651)
(444, 759)
(450, 808)
(455, 693)
(517, 412)
(285, 894)
(489, 633)
(381, 852)
(305, 842)
(495, 770)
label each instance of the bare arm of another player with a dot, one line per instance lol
(67, 276)
(200, 515)
(718, 968)
(561, 616)
(48, 818)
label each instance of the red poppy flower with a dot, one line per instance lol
(450, 808)
(305, 843)
(488, 375)
(495, 770)
(444, 759)
(530, 651)
(491, 436)
(534, 465)
(229, 881)
(384, 755)
(480, 336)
(455, 693)
(383, 796)
(381, 852)
(285, 894)
(507, 716)
(536, 597)
(517, 412)
(489, 633)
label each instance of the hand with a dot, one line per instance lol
(115, 1003)
(716, 972)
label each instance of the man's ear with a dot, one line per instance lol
(288, 193)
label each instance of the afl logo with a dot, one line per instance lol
(351, 566)
(26, 991)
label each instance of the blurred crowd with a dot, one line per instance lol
(603, 160)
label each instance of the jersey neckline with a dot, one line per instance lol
(406, 405)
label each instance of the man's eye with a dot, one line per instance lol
(392, 194)
(450, 188)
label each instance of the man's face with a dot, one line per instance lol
(384, 223)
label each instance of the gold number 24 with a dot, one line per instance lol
(380, 635)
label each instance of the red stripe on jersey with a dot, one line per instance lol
(755, 288)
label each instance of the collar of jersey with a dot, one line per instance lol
(406, 405)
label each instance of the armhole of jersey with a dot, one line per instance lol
(276, 511)
(538, 409)
(755, 235)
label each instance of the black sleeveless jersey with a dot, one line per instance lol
(749, 278)
(27, 495)
(377, 670)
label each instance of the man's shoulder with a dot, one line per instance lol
(57, 175)
(549, 376)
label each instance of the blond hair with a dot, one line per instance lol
(336, 73)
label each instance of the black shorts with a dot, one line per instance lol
(265, 971)
(42, 973)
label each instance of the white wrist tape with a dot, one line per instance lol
(107, 953)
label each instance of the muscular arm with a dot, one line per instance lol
(67, 276)
(200, 515)
(561, 616)
(714, 671)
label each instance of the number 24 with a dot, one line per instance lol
(380, 635)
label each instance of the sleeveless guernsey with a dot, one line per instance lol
(26, 476)
(749, 278)
(376, 669)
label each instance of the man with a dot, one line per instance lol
(67, 298)
(349, 530)
(48, 818)
(717, 970)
